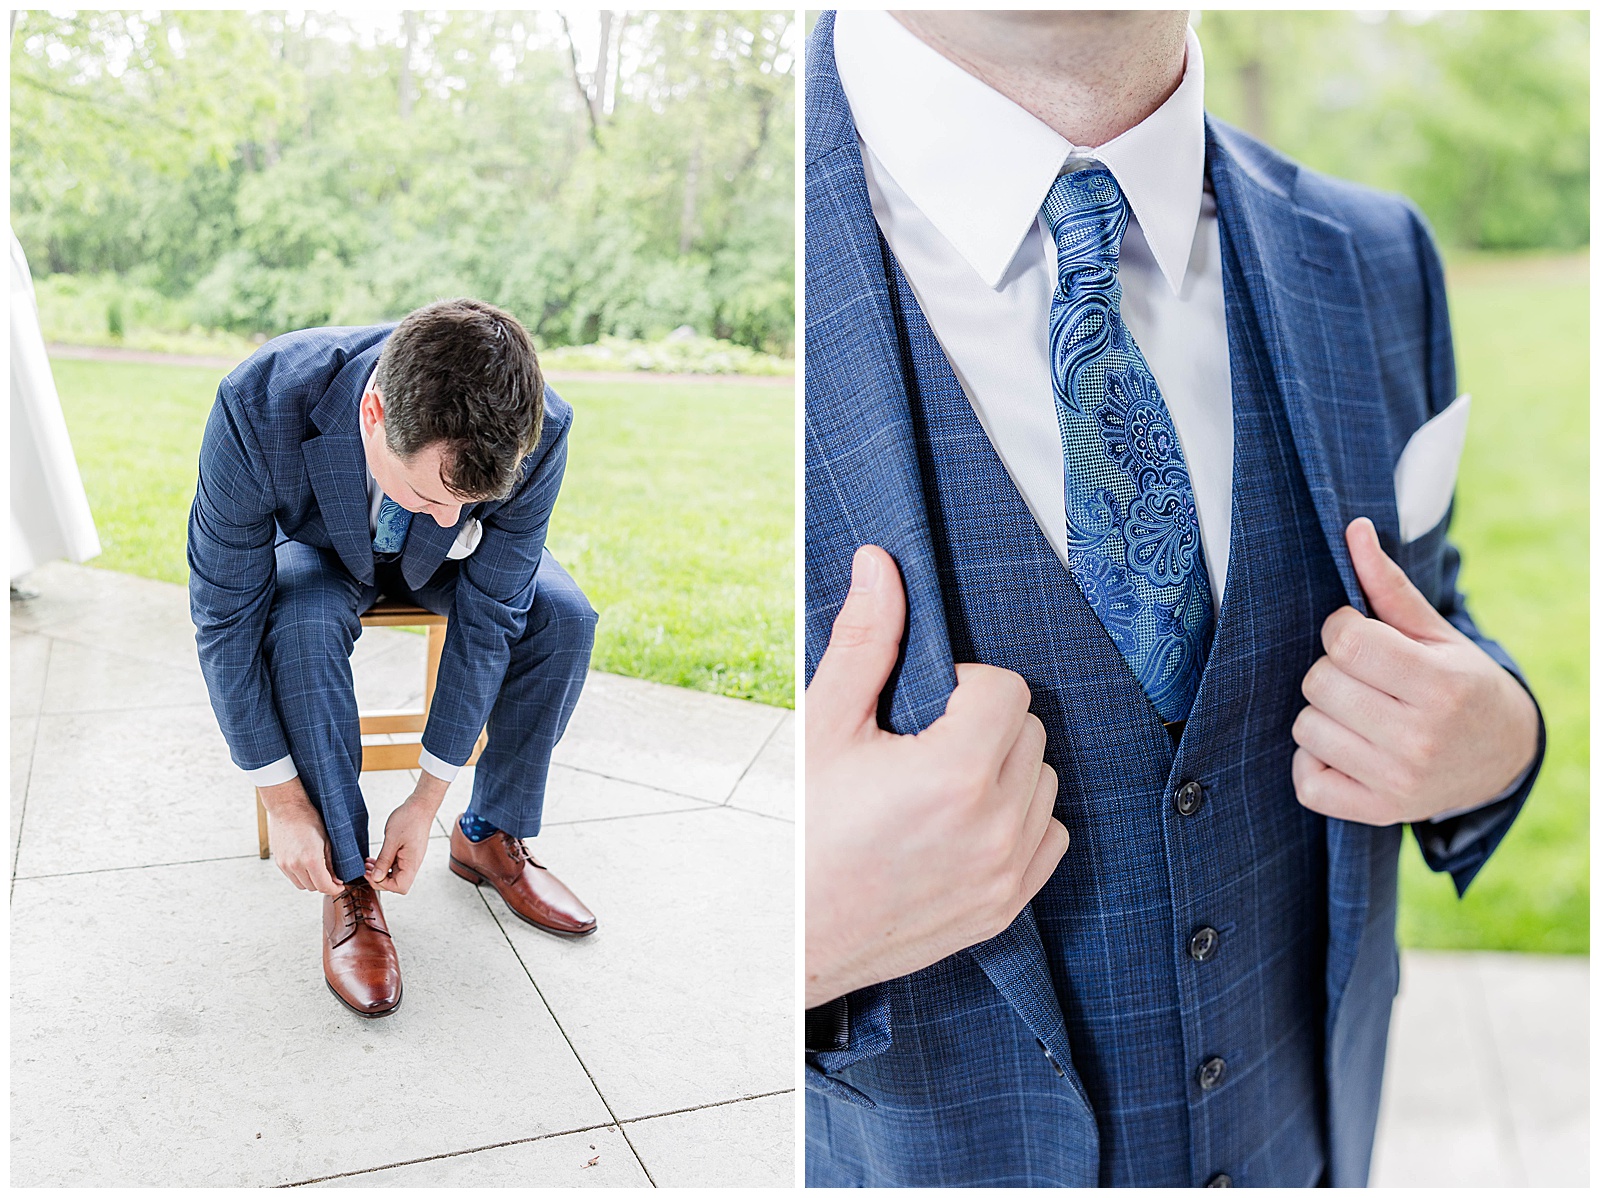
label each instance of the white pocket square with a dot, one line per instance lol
(1425, 475)
(466, 540)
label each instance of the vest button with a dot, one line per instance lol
(1203, 944)
(1189, 797)
(1220, 1182)
(1211, 1073)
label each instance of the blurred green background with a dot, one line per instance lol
(1482, 119)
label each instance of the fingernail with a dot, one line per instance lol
(864, 571)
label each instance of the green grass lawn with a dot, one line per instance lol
(677, 519)
(676, 516)
(1522, 524)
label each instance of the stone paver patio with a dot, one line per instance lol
(1487, 1081)
(169, 1024)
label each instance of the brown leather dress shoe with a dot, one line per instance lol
(534, 894)
(358, 955)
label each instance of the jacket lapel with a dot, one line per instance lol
(1301, 282)
(426, 545)
(861, 457)
(861, 454)
(1293, 274)
(337, 464)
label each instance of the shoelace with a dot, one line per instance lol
(356, 902)
(519, 851)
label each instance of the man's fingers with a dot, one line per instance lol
(1363, 709)
(403, 877)
(1330, 792)
(1390, 594)
(1020, 770)
(1041, 806)
(1372, 652)
(322, 879)
(862, 650)
(986, 713)
(385, 862)
(396, 867)
(1052, 847)
(405, 870)
(1331, 743)
(395, 880)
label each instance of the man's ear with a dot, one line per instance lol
(371, 410)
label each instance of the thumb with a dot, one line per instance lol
(380, 868)
(862, 650)
(1390, 594)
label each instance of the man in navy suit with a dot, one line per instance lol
(419, 462)
(1106, 533)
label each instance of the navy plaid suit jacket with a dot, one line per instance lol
(282, 459)
(939, 1077)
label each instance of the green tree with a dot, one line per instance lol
(276, 170)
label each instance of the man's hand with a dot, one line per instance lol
(1408, 718)
(405, 837)
(299, 841)
(916, 846)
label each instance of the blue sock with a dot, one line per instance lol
(475, 827)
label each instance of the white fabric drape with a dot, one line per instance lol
(50, 515)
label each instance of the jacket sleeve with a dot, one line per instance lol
(231, 577)
(1460, 846)
(494, 590)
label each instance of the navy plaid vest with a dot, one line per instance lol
(1218, 1061)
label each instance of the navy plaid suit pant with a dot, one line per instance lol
(312, 627)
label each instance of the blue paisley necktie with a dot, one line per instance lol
(393, 524)
(1133, 539)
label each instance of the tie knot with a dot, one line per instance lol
(1087, 215)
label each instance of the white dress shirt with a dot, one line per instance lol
(283, 769)
(957, 173)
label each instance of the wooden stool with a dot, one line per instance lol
(407, 754)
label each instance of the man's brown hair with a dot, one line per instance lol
(463, 373)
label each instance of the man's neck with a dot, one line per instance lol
(1088, 75)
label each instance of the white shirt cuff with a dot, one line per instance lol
(438, 767)
(281, 770)
(1504, 794)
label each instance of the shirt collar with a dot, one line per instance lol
(978, 166)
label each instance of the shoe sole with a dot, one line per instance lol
(355, 1010)
(467, 873)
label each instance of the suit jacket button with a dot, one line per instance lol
(1211, 1073)
(1189, 797)
(1203, 944)
(1220, 1182)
